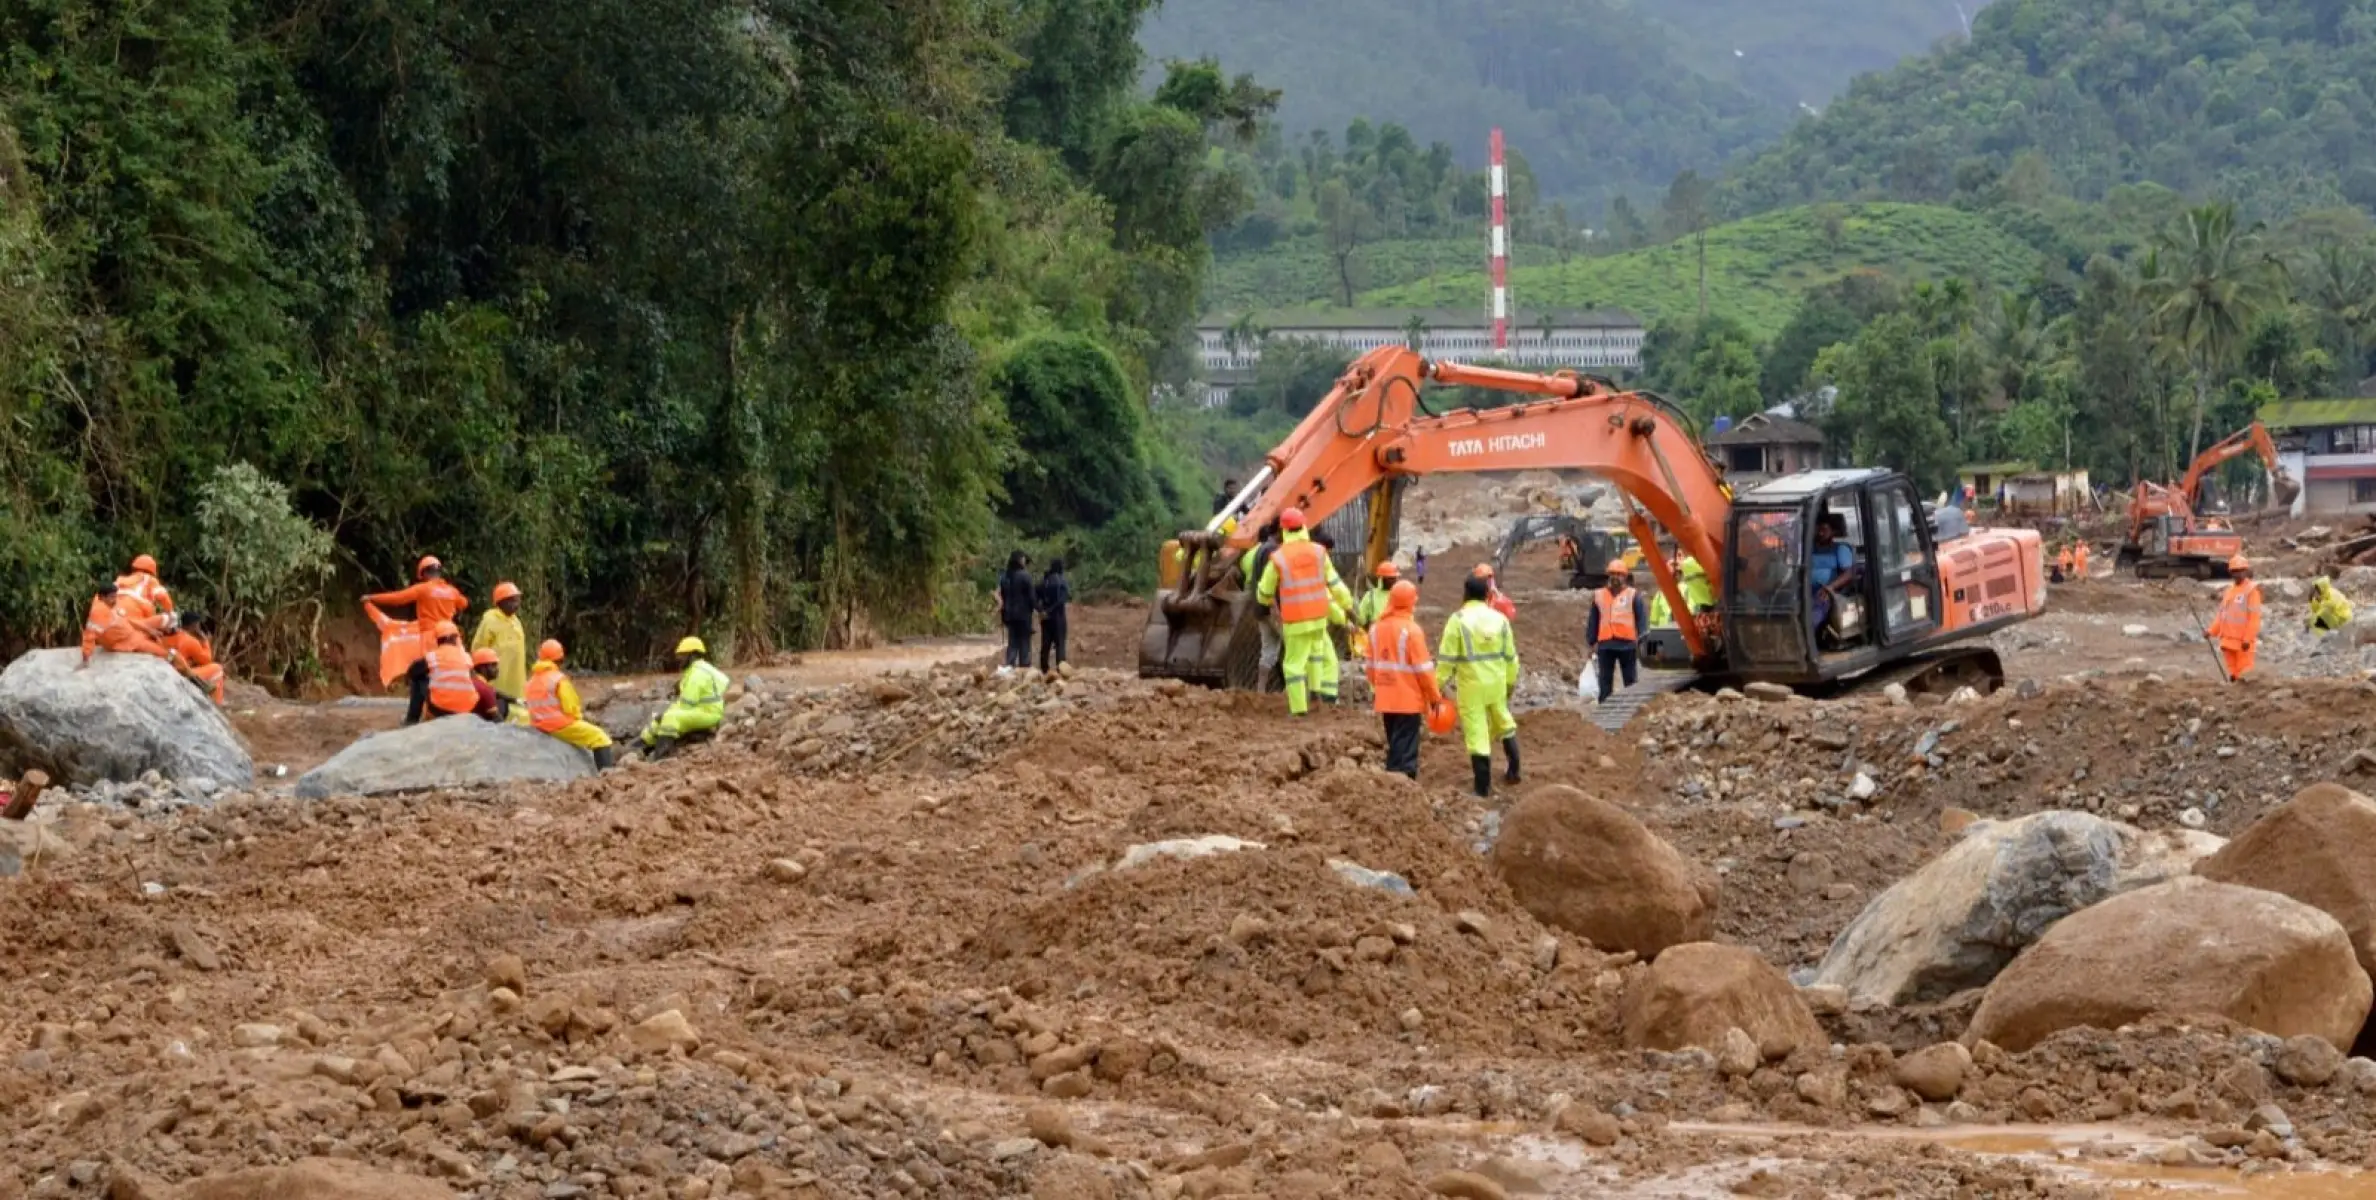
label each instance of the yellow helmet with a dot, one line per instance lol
(691, 645)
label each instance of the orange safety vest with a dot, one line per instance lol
(544, 701)
(1616, 615)
(142, 594)
(100, 622)
(2063, 560)
(2239, 621)
(449, 680)
(1303, 582)
(1401, 673)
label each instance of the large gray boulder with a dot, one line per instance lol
(1956, 922)
(121, 716)
(444, 753)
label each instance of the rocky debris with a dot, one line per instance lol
(34, 841)
(1587, 866)
(2320, 849)
(306, 1179)
(1183, 848)
(2189, 948)
(958, 715)
(2308, 1061)
(1698, 993)
(448, 752)
(1935, 1073)
(116, 719)
(1957, 921)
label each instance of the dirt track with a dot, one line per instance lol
(886, 915)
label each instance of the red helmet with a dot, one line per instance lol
(1442, 717)
(1387, 570)
(549, 651)
(1292, 518)
(1402, 597)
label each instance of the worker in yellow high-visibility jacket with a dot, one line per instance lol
(1302, 585)
(1477, 662)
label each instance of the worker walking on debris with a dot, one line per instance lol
(444, 674)
(118, 626)
(1613, 628)
(701, 697)
(1402, 677)
(2237, 627)
(1013, 604)
(433, 600)
(2330, 609)
(140, 590)
(195, 653)
(1054, 600)
(500, 630)
(553, 707)
(1480, 650)
(1301, 584)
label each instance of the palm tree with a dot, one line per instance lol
(2217, 279)
(1414, 331)
(1243, 335)
(2342, 286)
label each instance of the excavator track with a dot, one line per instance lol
(1941, 671)
(1613, 713)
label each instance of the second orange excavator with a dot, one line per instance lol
(1922, 592)
(2170, 534)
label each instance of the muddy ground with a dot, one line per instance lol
(886, 914)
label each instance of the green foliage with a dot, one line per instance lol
(1827, 316)
(2215, 279)
(1887, 413)
(1757, 268)
(1078, 461)
(1710, 367)
(2274, 100)
(1591, 92)
(263, 564)
(1290, 377)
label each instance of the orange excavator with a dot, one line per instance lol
(2169, 535)
(1923, 592)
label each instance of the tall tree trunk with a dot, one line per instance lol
(2202, 390)
(1703, 273)
(746, 505)
(1345, 275)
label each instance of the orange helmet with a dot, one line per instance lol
(549, 651)
(445, 629)
(1483, 571)
(427, 564)
(1442, 717)
(144, 564)
(1402, 597)
(1387, 570)
(2239, 563)
(506, 590)
(1292, 518)
(485, 656)
(1617, 567)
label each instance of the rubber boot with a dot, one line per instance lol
(1510, 749)
(606, 757)
(1481, 765)
(660, 748)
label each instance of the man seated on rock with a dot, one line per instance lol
(485, 663)
(553, 707)
(111, 625)
(195, 653)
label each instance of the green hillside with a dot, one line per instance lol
(1590, 91)
(1803, 51)
(1757, 268)
(2269, 101)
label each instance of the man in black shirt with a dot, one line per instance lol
(1055, 595)
(1016, 600)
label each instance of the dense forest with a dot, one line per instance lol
(753, 318)
(2272, 102)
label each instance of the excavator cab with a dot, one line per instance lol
(1830, 573)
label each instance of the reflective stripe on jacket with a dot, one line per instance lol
(1616, 615)
(450, 689)
(1303, 582)
(1479, 649)
(703, 686)
(548, 708)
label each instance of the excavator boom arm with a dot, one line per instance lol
(2254, 439)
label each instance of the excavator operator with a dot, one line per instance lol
(1832, 569)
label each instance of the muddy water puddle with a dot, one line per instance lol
(1785, 1160)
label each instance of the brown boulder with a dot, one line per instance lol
(2188, 947)
(314, 1179)
(2317, 849)
(1588, 867)
(1697, 992)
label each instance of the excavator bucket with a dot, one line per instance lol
(2284, 486)
(1203, 626)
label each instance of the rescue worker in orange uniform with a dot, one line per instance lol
(446, 673)
(2237, 627)
(1402, 677)
(1494, 596)
(2062, 566)
(2079, 560)
(1613, 628)
(553, 707)
(433, 600)
(114, 624)
(140, 589)
(196, 655)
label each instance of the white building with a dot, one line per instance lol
(1593, 340)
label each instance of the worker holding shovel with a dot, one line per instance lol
(2236, 627)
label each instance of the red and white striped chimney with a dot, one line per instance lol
(1500, 176)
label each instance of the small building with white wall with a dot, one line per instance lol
(1229, 345)
(2330, 446)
